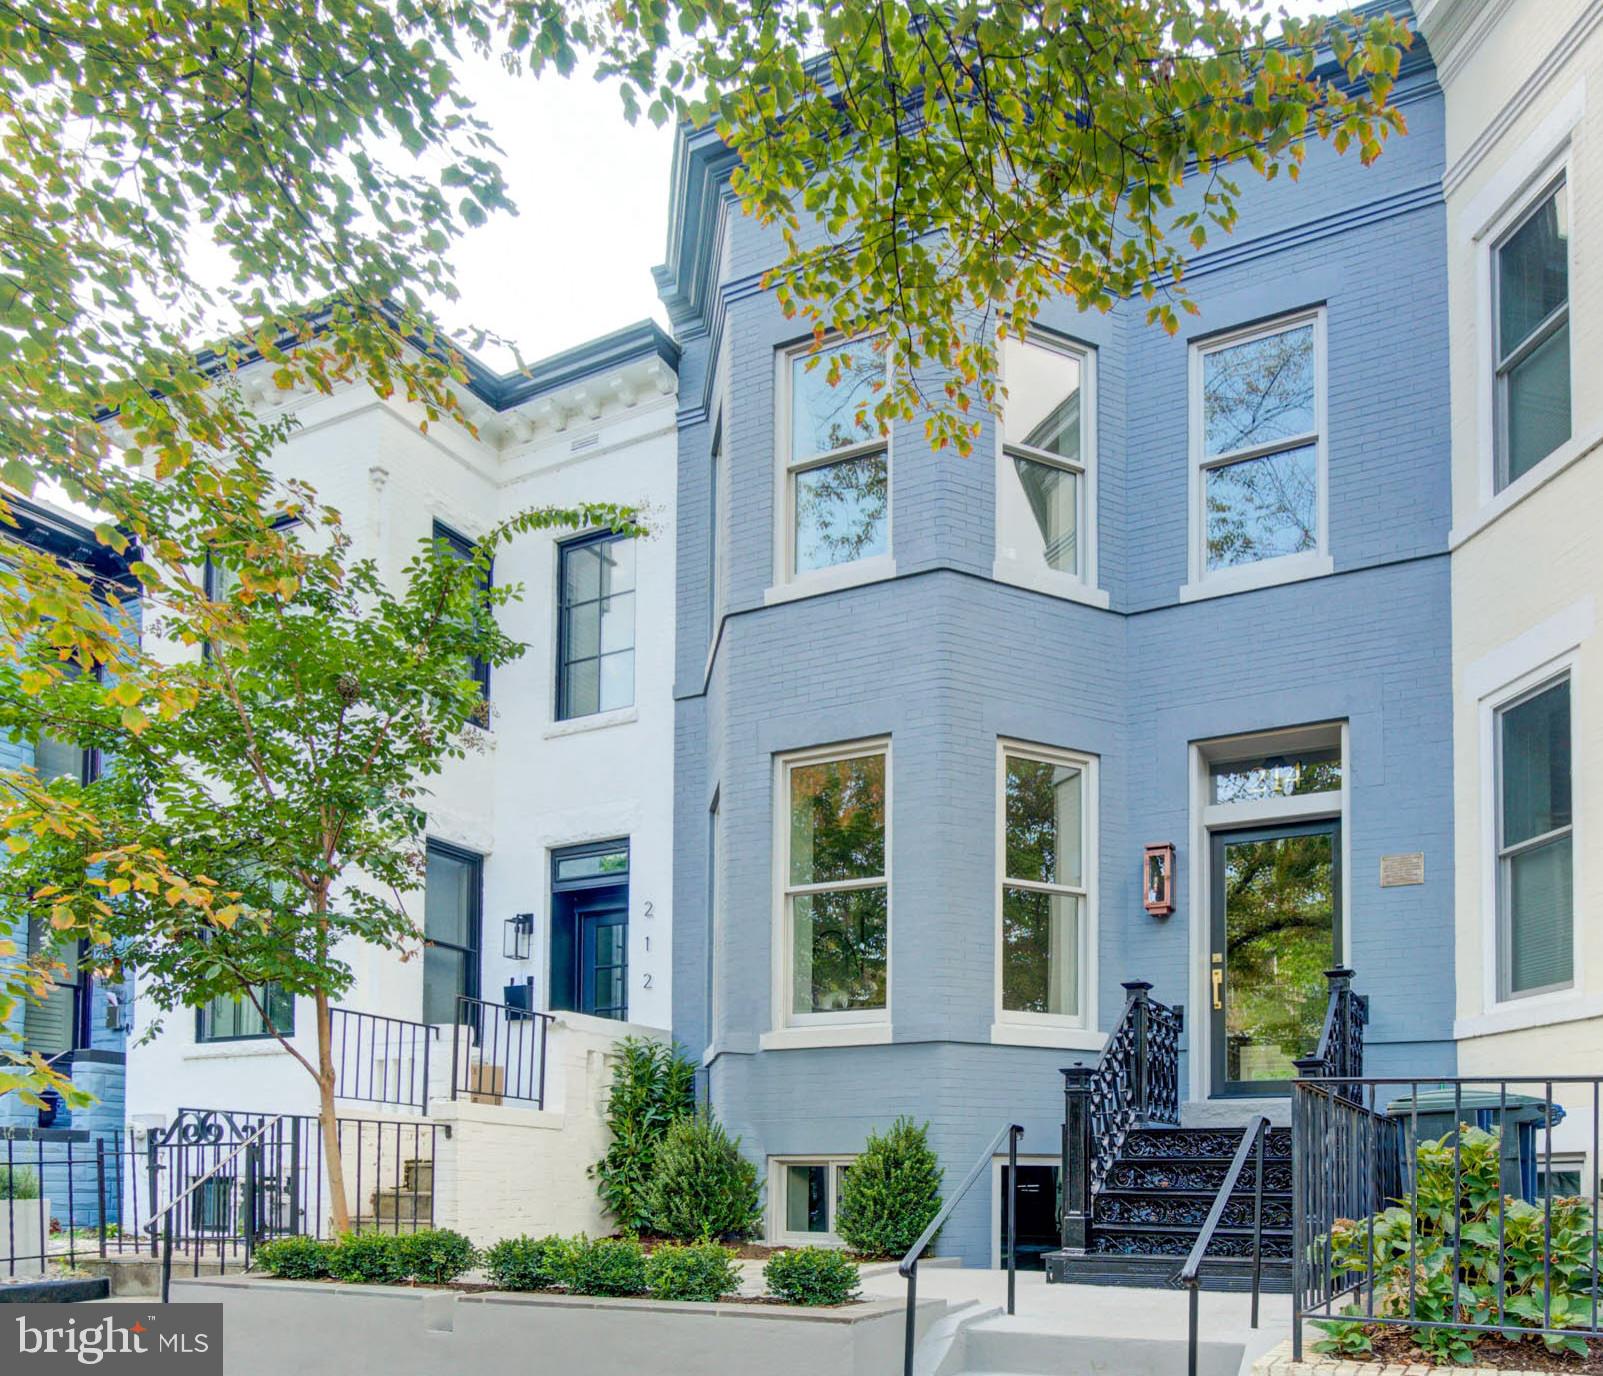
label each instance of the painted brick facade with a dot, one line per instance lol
(944, 660)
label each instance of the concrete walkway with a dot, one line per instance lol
(1083, 1330)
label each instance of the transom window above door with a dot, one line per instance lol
(1044, 851)
(1045, 483)
(835, 884)
(1258, 456)
(835, 462)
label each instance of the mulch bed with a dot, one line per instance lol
(1393, 1345)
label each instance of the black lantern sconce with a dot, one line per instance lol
(1157, 879)
(518, 937)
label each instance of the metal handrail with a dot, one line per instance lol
(164, 1215)
(1191, 1273)
(909, 1264)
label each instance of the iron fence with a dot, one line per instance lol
(498, 1053)
(380, 1059)
(1456, 1207)
(61, 1197)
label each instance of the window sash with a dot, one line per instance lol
(790, 358)
(566, 708)
(790, 892)
(1312, 435)
(1558, 186)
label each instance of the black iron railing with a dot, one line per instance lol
(498, 1053)
(1339, 1054)
(1486, 1227)
(62, 1194)
(219, 1182)
(1252, 1141)
(1134, 1083)
(381, 1060)
(909, 1264)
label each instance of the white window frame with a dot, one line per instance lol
(1048, 1029)
(1527, 687)
(1285, 568)
(1012, 568)
(777, 1166)
(851, 1025)
(1553, 179)
(717, 461)
(787, 583)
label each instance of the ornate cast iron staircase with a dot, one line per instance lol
(1138, 1187)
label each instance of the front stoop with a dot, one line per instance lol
(1278, 1362)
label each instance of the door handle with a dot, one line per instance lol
(1218, 979)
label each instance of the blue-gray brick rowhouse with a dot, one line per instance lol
(1252, 666)
(80, 1026)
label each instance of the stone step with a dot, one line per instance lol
(405, 1205)
(1159, 1272)
(367, 1223)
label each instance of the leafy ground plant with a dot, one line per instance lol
(653, 1087)
(704, 1271)
(436, 1256)
(295, 1258)
(18, 1182)
(891, 1193)
(812, 1275)
(368, 1259)
(702, 1188)
(602, 1266)
(525, 1263)
(1441, 1262)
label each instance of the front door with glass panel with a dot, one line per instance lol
(603, 959)
(1276, 929)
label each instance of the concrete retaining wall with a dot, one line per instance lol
(398, 1331)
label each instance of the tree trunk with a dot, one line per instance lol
(338, 1204)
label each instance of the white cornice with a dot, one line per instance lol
(1540, 78)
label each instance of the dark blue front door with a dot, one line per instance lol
(603, 958)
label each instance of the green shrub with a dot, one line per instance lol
(702, 1187)
(812, 1275)
(295, 1258)
(703, 1271)
(653, 1086)
(605, 1266)
(1467, 1293)
(891, 1192)
(368, 1259)
(436, 1256)
(524, 1263)
(19, 1182)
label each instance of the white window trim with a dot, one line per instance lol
(1540, 160)
(852, 1027)
(1024, 573)
(1208, 816)
(1550, 179)
(1285, 568)
(787, 584)
(1544, 1005)
(776, 1231)
(1050, 1029)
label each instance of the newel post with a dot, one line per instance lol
(1076, 1222)
(1137, 992)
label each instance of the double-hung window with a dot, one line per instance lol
(460, 547)
(1535, 843)
(1258, 448)
(453, 907)
(228, 1019)
(836, 462)
(1532, 290)
(596, 630)
(1043, 850)
(1043, 490)
(835, 872)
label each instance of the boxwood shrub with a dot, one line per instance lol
(294, 1258)
(702, 1271)
(368, 1259)
(702, 1188)
(436, 1256)
(605, 1266)
(812, 1275)
(891, 1193)
(525, 1263)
